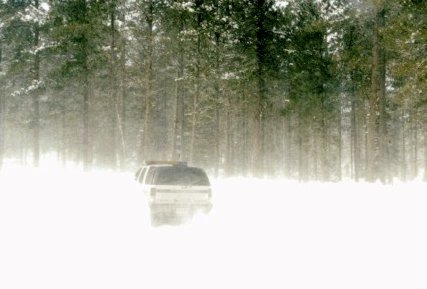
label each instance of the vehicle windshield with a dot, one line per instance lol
(181, 176)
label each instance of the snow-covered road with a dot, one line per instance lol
(74, 230)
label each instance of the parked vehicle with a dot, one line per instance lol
(173, 188)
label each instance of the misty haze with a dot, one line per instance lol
(213, 144)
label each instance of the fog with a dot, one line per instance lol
(68, 229)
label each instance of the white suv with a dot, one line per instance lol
(174, 184)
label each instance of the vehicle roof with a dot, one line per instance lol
(159, 165)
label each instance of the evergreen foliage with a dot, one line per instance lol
(313, 90)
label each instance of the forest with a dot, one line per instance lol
(321, 90)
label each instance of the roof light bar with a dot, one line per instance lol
(174, 163)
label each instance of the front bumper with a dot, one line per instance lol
(179, 207)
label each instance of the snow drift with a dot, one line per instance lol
(67, 229)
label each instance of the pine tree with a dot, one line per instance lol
(2, 101)
(79, 31)
(255, 23)
(312, 95)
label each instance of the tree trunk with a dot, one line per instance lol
(403, 148)
(324, 142)
(302, 148)
(364, 133)
(372, 145)
(86, 146)
(121, 111)
(2, 128)
(36, 95)
(259, 127)
(227, 135)
(86, 150)
(114, 99)
(63, 133)
(217, 155)
(384, 172)
(315, 158)
(121, 100)
(86, 96)
(288, 147)
(218, 105)
(261, 92)
(2, 109)
(376, 119)
(177, 149)
(23, 148)
(245, 123)
(340, 141)
(355, 155)
(301, 175)
(415, 143)
(425, 143)
(194, 116)
(354, 136)
(230, 158)
(149, 75)
(196, 95)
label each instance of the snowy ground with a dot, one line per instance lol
(74, 230)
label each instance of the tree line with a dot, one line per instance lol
(312, 90)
